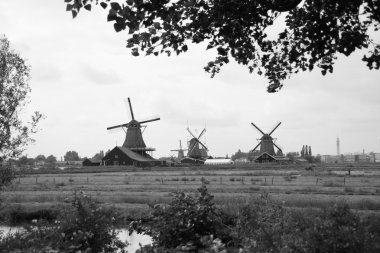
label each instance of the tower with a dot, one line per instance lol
(338, 146)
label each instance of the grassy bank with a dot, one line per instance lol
(131, 189)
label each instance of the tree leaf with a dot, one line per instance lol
(104, 5)
(74, 13)
(88, 7)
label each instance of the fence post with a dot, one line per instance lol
(344, 180)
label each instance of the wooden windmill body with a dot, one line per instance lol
(267, 145)
(133, 148)
(197, 151)
(181, 153)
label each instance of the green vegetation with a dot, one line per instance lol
(197, 222)
(315, 32)
(83, 226)
(192, 222)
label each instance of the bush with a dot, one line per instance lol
(83, 227)
(186, 220)
(336, 229)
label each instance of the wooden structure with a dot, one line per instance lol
(133, 151)
(91, 162)
(267, 146)
(121, 155)
(180, 151)
(197, 151)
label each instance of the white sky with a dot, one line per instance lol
(81, 72)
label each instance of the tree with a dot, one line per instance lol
(303, 151)
(40, 158)
(239, 155)
(14, 89)
(51, 159)
(316, 31)
(310, 151)
(306, 150)
(187, 218)
(71, 156)
(98, 156)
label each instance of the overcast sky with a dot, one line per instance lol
(82, 71)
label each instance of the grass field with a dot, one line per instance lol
(131, 189)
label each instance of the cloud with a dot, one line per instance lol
(103, 76)
(44, 72)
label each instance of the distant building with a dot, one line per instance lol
(217, 161)
(362, 158)
(265, 158)
(121, 155)
(330, 159)
(377, 157)
(242, 160)
(91, 162)
(349, 158)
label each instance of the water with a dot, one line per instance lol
(134, 239)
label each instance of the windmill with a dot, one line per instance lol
(267, 142)
(194, 150)
(133, 138)
(181, 154)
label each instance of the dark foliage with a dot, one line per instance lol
(83, 227)
(14, 90)
(187, 219)
(316, 31)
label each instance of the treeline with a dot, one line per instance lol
(51, 160)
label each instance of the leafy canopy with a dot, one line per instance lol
(14, 90)
(316, 31)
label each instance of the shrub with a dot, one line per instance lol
(84, 226)
(259, 225)
(335, 229)
(204, 181)
(184, 221)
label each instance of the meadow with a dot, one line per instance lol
(131, 190)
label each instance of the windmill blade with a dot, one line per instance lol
(256, 146)
(277, 146)
(122, 125)
(278, 124)
(149, 120)
(191, 133)
(116, 130)
(202, 144)
(127, 108)
(130, 108)
(203, 131)
(258, 129)
(175, 150)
